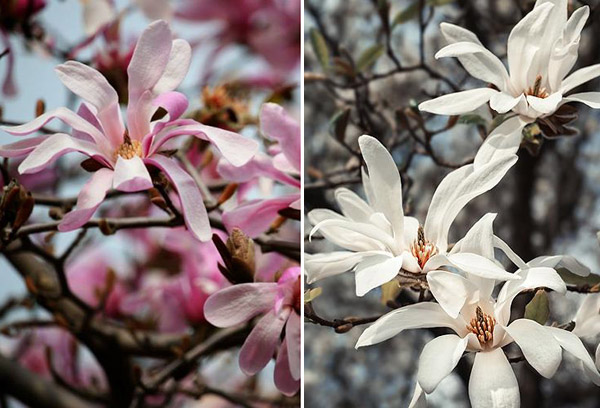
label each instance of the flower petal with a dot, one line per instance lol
(177, 67)
(320, 266)
(239, 303)
(352, 205)
(131, 175)
(277, 125)
(480, 266)
(591, 99)
(293, 343)
(451, 291)
(90, 197)
(438, 359)
(418, 399)
(192, 204)
(579, 77)
(260, 345)
(22, 147)
(175, 103)
(545, 105)
(539, 347)
(493, 383)
(416, 316)
(374, 271)
(502, 142)
(284, 381)
(503, 102)
(571, 343)
(459, 102)
(556, 261)
(587, 320)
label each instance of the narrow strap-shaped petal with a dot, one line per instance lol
(22, 147)
(438, 359)
(451, 291)
(90, 197)
(239, 303)
(175, 103)
(493, 383)
(131, 175)
(352, 205)
(284, 380)
(579, 77)
(259, 165)
(276, 124)
(539, 347)
(416, 316)
(418, 400)
(320, 266)
(566, 261)
(571, 343)
(591, 99)
(502, 142)
(261, 343)
(512, 255)
(177, 67)
(374, 271)
(52, 148)
(294, 344)
(192, 204)
(480, 266)
(459, 102)
(503, 102)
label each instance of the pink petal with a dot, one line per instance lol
(261, 165)
(255, 217)
(175, 103)
(67, 116)
(284, 381)
(52, 148)
(177, 67)
(86, 113)
(276, 124)
(91, 196)
(131, 175)
(260, 345)
(294, 344)
(22, 147)
(192, 204)
(239, 303)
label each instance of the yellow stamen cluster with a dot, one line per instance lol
(129, 149)
(422, 249)
(483, 326)
(537, 89)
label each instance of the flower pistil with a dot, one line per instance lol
(483, 326)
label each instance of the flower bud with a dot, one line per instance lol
(241, 248)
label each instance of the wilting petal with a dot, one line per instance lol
(416, 316)
(493, 383)
(22, 147)
(239, 303)
(192, 204)
(375, 271)
(254, 217)
(284, 381)
(320, 266)
(438, 359)
(177, 67)
(385, 183)
(131, 175)
(451, 291)
(51, 149)
(539, 347)
(478, 61)
(91, 196)
(545, 105)
(571, 343)
(260, 345)
(276, 124)
(459, 102)
(293, 344)
(579, 77)
(591, 99)
(504, 141)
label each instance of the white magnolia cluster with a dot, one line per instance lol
(381, 244)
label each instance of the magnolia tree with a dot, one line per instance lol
(155, 231)
(434, 223)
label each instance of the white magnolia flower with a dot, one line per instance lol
(587, 321)
(378, 238)
(542, 49)
(482, 327)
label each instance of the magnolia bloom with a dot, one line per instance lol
(542, 49)
(482, 327)
(124, 154)
(380, 240)
(587, 321)
(255, 216)
(279, 304)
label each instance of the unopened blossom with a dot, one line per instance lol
(541, 51)
(125, 154)
(278, 305)
(283, 165)
(380, 241)
(483, 327)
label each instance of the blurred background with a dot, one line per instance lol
(245, 53)
(549, 202)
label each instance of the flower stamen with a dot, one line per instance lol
(422, 249)
(537, 90)
(129, 149)
(483, 326)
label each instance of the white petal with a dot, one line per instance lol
(352, 205)
(319, 266)
(451, 291)
(438, 359)
(516, 259)
(480, 266)
(418, 399)
(556, 261)
(539, 347)
(479, 239)
(502, 142)
(503, 102)
(591, 99)
(131, 175)
(571, 343)
(579, 77)
(411, 227)
(374, 271)
(96, 14)
(385, 182)
(545, 105)
(459, 102)
(587, 319)
(493, 383)
(416, 316)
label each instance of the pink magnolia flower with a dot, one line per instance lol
(255, 216)
(157, 67)
(279, 304)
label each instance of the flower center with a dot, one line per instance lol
(129, 149)
(422, 249)
(483, 326)
(537, 90)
